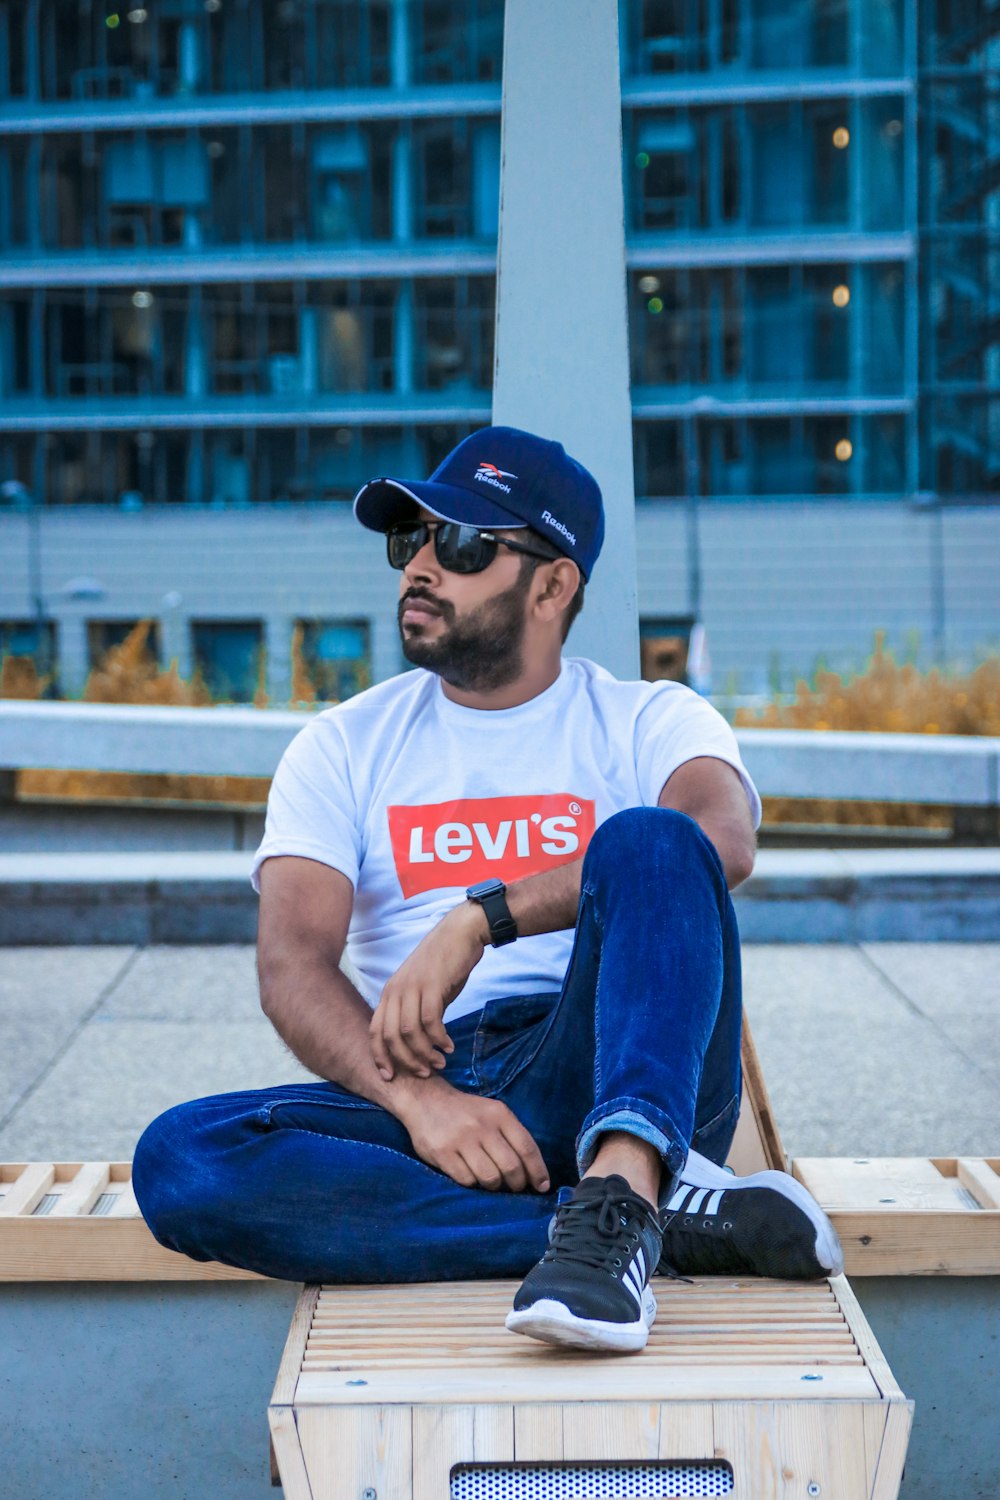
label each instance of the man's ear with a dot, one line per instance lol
(561, 583)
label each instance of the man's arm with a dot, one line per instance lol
(710, 791)
(407, 1032)
(305, 909)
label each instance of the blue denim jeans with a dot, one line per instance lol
(311, 1183)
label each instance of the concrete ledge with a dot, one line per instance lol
(950, 770)
(794, 896)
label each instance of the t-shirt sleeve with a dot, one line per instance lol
(311, 808)
(675, 726)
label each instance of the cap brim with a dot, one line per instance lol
(383, 503)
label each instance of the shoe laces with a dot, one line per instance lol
(597, 1230)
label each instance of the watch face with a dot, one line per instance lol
(485, 888)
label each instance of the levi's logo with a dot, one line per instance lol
(460, 843)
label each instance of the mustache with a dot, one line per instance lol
(442, 606)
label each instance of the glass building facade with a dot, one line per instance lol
(248, 247)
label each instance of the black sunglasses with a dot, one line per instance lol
(459, 549)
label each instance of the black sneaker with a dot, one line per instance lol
(715, 1224)
(591, 1288)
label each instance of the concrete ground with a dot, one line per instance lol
(881, 1048)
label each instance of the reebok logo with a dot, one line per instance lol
(459, 843)
(490, 474)
(550, 520)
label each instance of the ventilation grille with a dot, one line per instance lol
(612, 1481)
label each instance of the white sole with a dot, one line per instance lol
(553, 1323)
(701, 1173)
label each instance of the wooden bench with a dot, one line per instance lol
(765, 1387)
(748, 1388)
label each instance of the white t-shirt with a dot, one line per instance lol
(414, 798)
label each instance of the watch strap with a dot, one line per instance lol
(492, 897)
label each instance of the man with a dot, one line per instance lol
(528, 864)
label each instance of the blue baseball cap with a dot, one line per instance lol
(500, 477)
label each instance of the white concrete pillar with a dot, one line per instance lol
(562, 334)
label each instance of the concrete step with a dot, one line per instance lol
(794, 896)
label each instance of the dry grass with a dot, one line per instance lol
(889, 697)
(886, 696)
(129, 673)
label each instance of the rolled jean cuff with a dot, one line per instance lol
(633, 1117)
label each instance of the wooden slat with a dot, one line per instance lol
(633, 1380)
(875, 1360)
(125, 1206)
(480, 1434)
(27, 1189)
(295, 1347)
(418, 1343)
(287, 1454)
(83, 1191)
(979, 1178)
(889, 1474)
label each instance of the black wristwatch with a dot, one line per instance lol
(492, 897)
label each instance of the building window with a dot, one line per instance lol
(104, 635)
(331, 659)
(27, 658)
(230, 657)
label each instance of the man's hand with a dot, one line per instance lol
(476, 1142)
(407, 1032)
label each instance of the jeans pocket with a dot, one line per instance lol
(509, 1034)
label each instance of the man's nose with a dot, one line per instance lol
(424, 565)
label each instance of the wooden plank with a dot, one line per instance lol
(349, 1451)
(493, 1434)
(687, 1430)
(288, 1454)
(295, 1345)
(84, 1190)
(27, 1189)
(884, 1184)
(448, 1435)
(97, 1249)
(919, 1244)
(875, 1360)
(889, 1474)
(538, 1432)
(755, 1093)
(781, 1452)
(636, 1379)
(125, 1205)
(624, 1430)
(979, 1178)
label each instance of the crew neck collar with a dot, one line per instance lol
(542, 703)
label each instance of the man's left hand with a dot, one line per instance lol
(407, 1031)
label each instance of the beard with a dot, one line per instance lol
(480, 652)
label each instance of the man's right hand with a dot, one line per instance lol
(476, 1142)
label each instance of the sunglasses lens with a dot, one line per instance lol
(463, 549)
(460, 549)
(403, 543)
